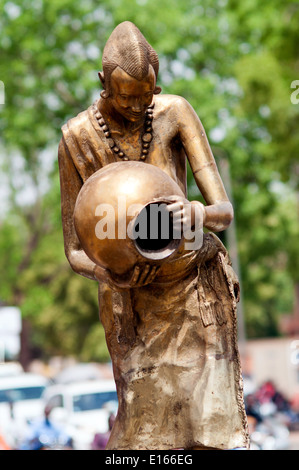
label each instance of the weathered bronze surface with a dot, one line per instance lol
(119, 187)
(172, 331)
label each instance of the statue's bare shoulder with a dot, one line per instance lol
(175, 109)
(170, 103)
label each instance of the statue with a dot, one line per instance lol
(171, 326)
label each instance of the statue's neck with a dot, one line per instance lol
(116, 122)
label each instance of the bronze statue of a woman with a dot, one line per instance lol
(171, 332)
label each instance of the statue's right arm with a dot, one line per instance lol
(70, 185)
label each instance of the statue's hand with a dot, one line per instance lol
(144, 275)
(140, 276)
(179, 212)
(184, 212)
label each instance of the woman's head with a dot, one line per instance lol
(128, 49)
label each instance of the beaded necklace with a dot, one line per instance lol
(146, 137)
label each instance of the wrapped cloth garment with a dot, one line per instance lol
(173, 345)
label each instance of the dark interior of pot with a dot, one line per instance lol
(154, 235)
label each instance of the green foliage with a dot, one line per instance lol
(233, 61)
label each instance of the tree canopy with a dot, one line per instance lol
(233, 61)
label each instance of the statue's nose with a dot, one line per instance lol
(136, 106)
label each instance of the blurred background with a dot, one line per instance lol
(237, 63)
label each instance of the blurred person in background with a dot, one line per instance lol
(45, 435)
(101, 439)
(3, 444)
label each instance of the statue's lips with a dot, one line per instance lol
(134, 114)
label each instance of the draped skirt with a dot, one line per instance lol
(176, 364)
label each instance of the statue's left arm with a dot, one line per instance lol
(218, 213)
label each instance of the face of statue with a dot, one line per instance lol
(131, 97)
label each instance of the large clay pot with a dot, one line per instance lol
(110, 204)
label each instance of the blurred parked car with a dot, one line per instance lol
(83, 408)
(82, 372)
(10, 368)
(20, 402)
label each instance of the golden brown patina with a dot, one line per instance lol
(171, 332)
(119, 191)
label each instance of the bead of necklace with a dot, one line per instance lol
(145, 139)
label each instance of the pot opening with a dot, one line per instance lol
(154, 236)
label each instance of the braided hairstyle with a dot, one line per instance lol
(128, 49)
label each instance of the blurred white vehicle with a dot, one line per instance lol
(20, 402)
(82, 408)
(10, 368)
